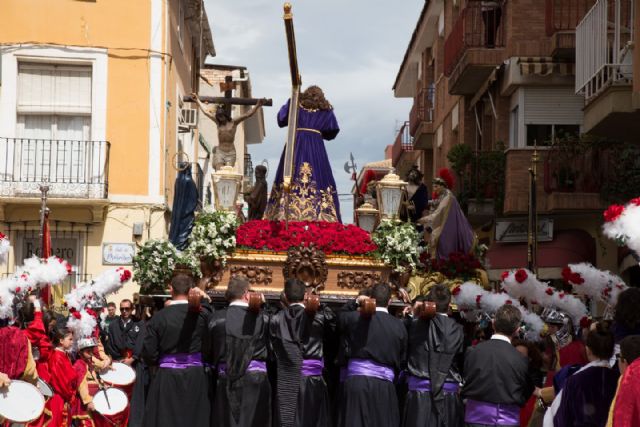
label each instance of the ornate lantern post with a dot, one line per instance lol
(226, 187)
(367, 217)
(390, 189)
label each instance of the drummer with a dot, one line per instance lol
(84, 414)
(86, 375)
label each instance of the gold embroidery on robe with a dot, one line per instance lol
(306, 201)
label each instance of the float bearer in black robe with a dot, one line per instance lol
(435, 350)
(496, 376)
(297, 338)
(125, 335)
(238, 350)
(375, 350)
(180, 393)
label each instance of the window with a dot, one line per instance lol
(514, 127)
(180, 24)
(53, 120)
(545, 134)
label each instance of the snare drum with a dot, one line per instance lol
(110, 401)
(21, 402)
(45, 388)
(119, 375)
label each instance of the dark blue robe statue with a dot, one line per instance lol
(313, 196)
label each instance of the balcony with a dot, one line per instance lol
(475, 46)
(72, 169)
(565, 182)
(561, 20)
(403, 155)
(604, 69)
(421, 118)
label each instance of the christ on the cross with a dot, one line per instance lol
(225, 153)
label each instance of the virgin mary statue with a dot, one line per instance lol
(313, 195)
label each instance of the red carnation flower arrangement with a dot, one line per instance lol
(549, 291)
(521, 276)
(504, 275)
(330, 237)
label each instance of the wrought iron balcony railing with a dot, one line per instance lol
(480, 25)
(72, 169)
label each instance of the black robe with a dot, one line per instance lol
(495, 372)
(367, 401)
(177, 397)
(435, 350)
(129, 339)
(301, 401)
(237, 336)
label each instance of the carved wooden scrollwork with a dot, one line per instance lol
(307, 263)
(257, 276)
(357, 279)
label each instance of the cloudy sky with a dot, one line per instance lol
(352, 49)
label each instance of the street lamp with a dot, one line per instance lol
(226, 187)
(389, 198)
(367, 217)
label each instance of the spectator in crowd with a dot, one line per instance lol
(587, 394)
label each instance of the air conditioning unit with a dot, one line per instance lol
(188, 117)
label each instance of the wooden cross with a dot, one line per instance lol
(228, 100)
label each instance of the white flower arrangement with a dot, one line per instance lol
(398, 245)
(153, 265)
(213, 235)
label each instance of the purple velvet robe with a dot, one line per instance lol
(314, 196)
(586, 398)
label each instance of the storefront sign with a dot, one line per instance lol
(118, 253)
(62, 248)
(517, 230)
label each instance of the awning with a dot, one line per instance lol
(483, 89)
(567, 247)
(545, 66)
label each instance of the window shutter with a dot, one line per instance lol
(552, 105)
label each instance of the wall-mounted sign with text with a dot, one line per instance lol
(517, 230)
(118, 253)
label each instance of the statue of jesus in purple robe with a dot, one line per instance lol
(313, 196)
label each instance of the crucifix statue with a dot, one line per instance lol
(218, 109)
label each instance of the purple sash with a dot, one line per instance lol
(369, 368)
(254, 366)
(423, 384)
(312, 367)
(494, 414)
(181, 360)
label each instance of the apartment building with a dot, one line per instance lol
(91, 104)
(493, 82)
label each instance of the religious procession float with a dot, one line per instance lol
(297, 232)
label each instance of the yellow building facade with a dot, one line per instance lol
(91, 105)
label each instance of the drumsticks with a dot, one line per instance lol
(101, 387)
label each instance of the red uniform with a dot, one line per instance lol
(64, 382)
(14, 352)
(88, 387)
(626, 409)
(39, 340)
